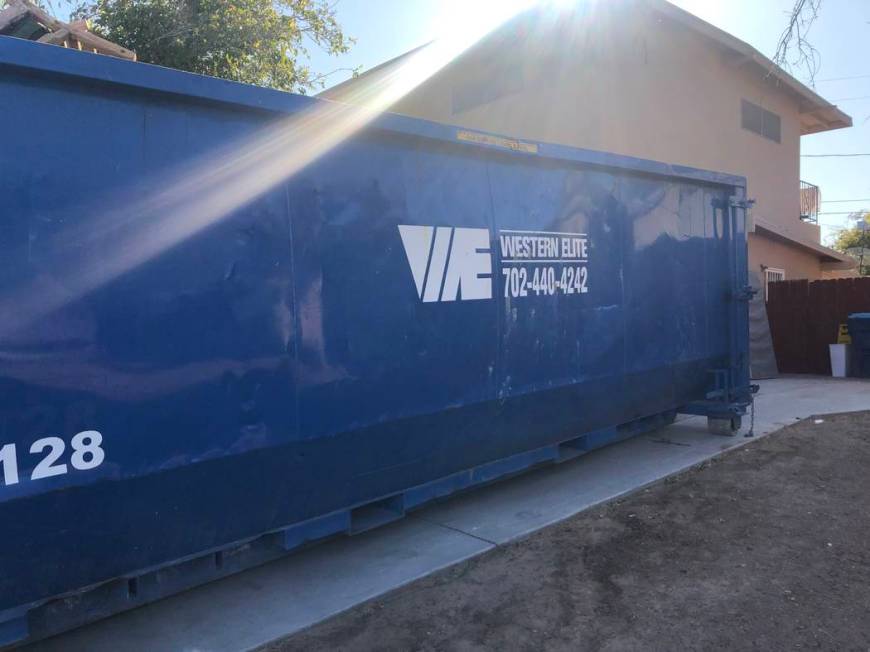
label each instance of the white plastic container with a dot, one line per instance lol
(839, 360)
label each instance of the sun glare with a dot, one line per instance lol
(206, 191)
(462, 16)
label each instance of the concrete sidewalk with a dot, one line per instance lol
(266, 603)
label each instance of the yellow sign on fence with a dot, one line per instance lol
(843, 336)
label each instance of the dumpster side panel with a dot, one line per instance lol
(183, 358)
(407, 310)
(370, 349)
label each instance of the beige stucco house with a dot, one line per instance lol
(647, 79)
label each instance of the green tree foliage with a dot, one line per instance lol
(851, 239)
(262, 42)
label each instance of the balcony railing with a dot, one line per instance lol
(811, 197)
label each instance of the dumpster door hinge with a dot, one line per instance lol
(746, 293)
(745, 204)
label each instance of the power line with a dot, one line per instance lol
(843, 201)
(833, 155)
(851, 99)
(838, 212)
(830, 79)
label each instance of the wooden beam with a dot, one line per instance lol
(101, 45)
(49, 22)
(12, 14)
(75, 35)
(54, 38)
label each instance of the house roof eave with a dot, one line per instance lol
(829, 258)
(829, 115)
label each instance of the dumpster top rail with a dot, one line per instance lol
(98, 69)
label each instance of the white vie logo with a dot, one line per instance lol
(448, 263)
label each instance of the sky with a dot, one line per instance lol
(386, 28)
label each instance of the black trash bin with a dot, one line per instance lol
(859, 329)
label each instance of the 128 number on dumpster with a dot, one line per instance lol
(87, 454)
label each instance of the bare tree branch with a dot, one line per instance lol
(793, 50)
(321, 78)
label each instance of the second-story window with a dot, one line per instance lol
(761, 121)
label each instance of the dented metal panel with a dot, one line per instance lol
(186, 369)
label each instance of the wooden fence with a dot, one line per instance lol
(805, 316)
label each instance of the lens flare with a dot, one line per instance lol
(131, 233)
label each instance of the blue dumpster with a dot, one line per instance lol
(859, 330)
(234, 321)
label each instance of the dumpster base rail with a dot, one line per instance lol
(42, 620)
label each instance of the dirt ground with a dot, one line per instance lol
(764, 548)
